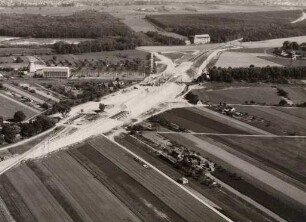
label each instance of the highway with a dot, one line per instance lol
(140, 102)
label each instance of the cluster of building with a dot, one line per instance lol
(189, 161)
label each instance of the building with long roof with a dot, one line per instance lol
(201, 39)
(61, 72)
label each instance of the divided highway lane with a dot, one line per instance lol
(176, 196)
(23, 93)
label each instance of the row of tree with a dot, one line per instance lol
(126, 42)
(287, 45)
(254, 74)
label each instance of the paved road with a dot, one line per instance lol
(21, 92)
(19, 103)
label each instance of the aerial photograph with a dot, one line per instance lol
(152, 110)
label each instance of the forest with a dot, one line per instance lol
(251, 26)
(117, 43)
(84, 24)
(254, 74)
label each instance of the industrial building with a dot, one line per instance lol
(54, 72)
(49, 72)
(200, 39)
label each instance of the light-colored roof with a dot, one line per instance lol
(202, 35)
(55, 68)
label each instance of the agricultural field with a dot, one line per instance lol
(8, 51)
(273, 43)
(284, 61)
(47, 11)
(286, 155)
(180, 48)
(167, 191)
(249, 178)
(139, 24)
(297, 94)
(277, 120)
(40, 41)
(231, 206)
(134, 15)
(174, 55)
(239, 59)
(9, 106)
(202, 120)
(239, 94)
(92, 182)
(12, 59)
(113, 56)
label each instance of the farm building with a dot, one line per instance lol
(200, 39)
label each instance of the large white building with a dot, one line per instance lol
(49, 72)
(54, 72)
(201, 39)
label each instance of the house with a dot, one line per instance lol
(200, 39)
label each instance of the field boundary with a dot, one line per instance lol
(233, 135)
(170, 179)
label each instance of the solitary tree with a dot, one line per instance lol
(19, 60)
(283, 102)
(45, 106)
(19, 116)
(10, 132)
(286, 45)
(295, 46)
(102, 107)
(192, 98)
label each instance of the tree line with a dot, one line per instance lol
(254, 74)
(10, 130)
(164, 40)
(130, 41)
